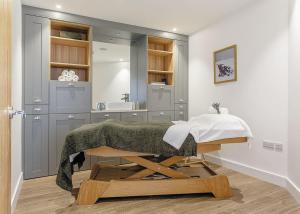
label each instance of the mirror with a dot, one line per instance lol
(111, 72)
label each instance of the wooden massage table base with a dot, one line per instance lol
(144, 177)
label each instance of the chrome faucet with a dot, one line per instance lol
(126, 97)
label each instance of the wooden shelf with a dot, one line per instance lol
(56, 24)
(69, 42)
(160, 60)
(160, 72)
(159, 40)
(159, 52)
(68, 65)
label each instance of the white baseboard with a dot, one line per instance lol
(16, 193)
(293, 189)
(249, 170)
(258, 173)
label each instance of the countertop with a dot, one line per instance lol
(118, 111)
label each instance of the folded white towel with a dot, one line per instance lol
(206, 128)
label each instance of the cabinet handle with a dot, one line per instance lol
(181, 107)
(134, 114)
(106, 115)
(71, 116)
(37, 118)
(162, 113)
(181, 100)
(37, 100)
(37, 109)
(161, 87)
(70, 84)
(181, 113)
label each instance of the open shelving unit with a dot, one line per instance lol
(160, 60)
(70, 49)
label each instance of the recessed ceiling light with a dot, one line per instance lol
(121, 59)
(174, 29)
(58, 6)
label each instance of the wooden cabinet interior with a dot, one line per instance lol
(160, 60)
(70, 49)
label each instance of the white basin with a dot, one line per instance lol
(119, 106)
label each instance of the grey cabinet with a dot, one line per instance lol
(134, 116)
(181, 115)
(97, 117)
(181, 112)
(70, 97)
(181, 72)
(181, 107)
(35, 146)
(36, 109)
(160, 98)
(160, 116)
(36, 59)
(59, 126)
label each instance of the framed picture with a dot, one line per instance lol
(225, 65)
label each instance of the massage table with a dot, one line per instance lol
(145, 177)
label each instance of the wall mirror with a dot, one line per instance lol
(110, 73)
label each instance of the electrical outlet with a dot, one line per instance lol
(272, 146)
(278, 147)
(268, 145)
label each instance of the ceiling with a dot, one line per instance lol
(108, 52)
(187, 16)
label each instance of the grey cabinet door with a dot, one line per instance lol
(70, 97)
(160, 98)
(36, 109)
(36, 59)
(36, 146)
(97, 117)
(181, 107)
(181, 72)
(134, 116)
(181, 112)
(60, 126)
(181, 115)
(160, 116)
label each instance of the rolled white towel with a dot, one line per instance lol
(212, 110)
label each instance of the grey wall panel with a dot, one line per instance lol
(70, 97)
(133, 72)
(142, 46)
(181, 72)
(36, 146)
(36, 59)
(160, 98)
(59, 126)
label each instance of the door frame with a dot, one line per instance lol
(5, 102)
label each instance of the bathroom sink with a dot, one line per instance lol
(119, 106)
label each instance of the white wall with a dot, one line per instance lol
(260, 96)
(110, 81)
(294, 98)
(16, 125)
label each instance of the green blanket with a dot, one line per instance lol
(130, 136)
